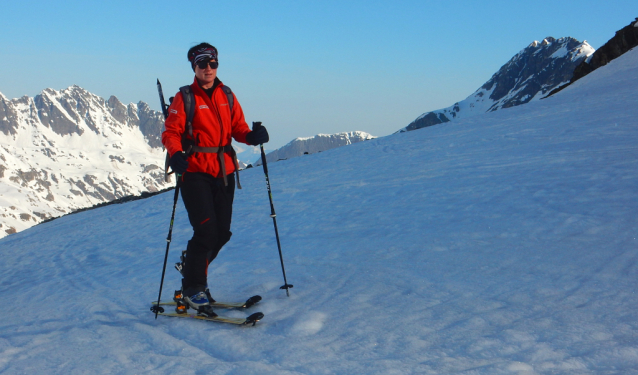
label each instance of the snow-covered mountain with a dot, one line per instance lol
(530, 75)
(501, 244)
(318, 143)
(70, 149)
(66, 150)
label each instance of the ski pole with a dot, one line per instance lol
(286, 286)
(157, 308)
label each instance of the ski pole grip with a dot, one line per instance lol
(256, 125)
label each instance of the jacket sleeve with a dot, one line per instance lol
(174, 126)
(239, 126)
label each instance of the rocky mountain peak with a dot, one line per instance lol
(70, 149)
(530, 75)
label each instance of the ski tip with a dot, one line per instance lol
(251, 301)
(254, 318)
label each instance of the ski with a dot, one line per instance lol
(250, 320)
(221, 305)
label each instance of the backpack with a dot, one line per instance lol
(189, 108)
(188, 144)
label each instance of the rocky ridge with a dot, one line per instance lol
(624, 40)
(66, 150)
(530, 75)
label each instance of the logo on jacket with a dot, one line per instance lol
(173, 111)
(203, 106)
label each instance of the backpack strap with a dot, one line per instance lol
(229, 95)
(189, 108)
(187, 144)
(233, 154)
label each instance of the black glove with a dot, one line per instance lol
(178, 162)
(258, 136)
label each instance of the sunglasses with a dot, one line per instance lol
(204, 64)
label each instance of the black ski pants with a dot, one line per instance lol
(210, 207)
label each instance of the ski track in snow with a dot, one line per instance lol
(500, 244)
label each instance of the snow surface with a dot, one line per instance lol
(498, 244)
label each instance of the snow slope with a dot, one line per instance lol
(498, 244)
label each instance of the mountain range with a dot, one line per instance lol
(530, 75)
(69, 149)
(63, 151)
(318, 143)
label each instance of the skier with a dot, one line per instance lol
(205, 162)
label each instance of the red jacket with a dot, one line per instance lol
(213, 126)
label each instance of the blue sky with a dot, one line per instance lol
(300, 67)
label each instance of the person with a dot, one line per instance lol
(205, 164)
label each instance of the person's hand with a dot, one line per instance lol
(258, 136)
(178, 162)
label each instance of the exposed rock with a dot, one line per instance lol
(624, 40)
(8, 117)
(528, 76)
(151, 124)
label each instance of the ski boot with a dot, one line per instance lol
(199, 302)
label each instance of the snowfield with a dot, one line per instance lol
(498, 244)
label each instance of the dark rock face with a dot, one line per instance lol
(537, 69)
(624, 40)
(528, 76)
(118, 110)
(8, 117)
(51, 116)
(151, 124)
(429, 119)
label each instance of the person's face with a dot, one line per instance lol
(206, 75)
